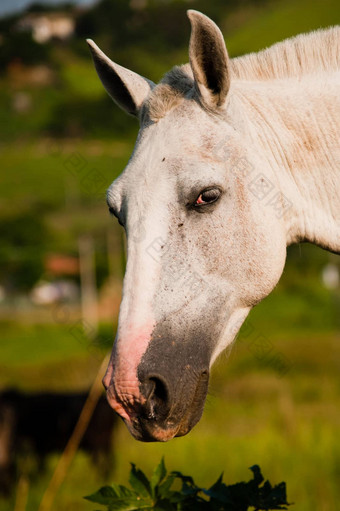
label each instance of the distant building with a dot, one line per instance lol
(47, 26)
(46, 293)
(58, 264)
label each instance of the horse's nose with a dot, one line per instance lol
(156, 392)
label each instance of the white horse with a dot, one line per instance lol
(235, 160)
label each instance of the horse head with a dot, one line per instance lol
(201, 250)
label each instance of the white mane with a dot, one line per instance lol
(297, 56)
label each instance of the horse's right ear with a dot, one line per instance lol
(128, 89)
(209, 60)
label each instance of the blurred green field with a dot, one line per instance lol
(283, 417)
(286, 421)
(268, 23)
(289, 424)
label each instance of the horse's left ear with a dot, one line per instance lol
(128, 89)
(209, 60)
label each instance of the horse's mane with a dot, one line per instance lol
(294, 57)
(297, 56)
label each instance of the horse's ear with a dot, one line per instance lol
(128, 89)
(209, 60)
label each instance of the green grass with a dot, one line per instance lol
(59, 173)
(287, 425)
(43, 343)
(310, 308)
(47, 356)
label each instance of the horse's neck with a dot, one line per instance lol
(295, 125)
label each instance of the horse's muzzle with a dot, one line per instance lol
(163, 412)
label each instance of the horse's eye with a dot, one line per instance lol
(208, 196)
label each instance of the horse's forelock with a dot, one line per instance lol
(170, 92)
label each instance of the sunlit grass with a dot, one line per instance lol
(288, 425)
(54, 172)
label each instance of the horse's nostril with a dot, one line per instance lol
(160, 391)
(156, 393)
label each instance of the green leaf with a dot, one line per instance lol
(185, 479)
(164, 489)
(139, 481)
(219, 492)
(108, 494)
(157, 495)
(258, 477)
(125, 504)
(158, 475)
(117, 497)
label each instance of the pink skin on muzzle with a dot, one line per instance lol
(121, 380)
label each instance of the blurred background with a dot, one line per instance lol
(274, 400)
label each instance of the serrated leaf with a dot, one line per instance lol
(100, 495)
(219, 492)
(220, 495)
(139, 481)
(256, 493)
(184, 479)
(108, 494)
(164, 489)
(217, 483)
(158, 475)
(125, 504)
